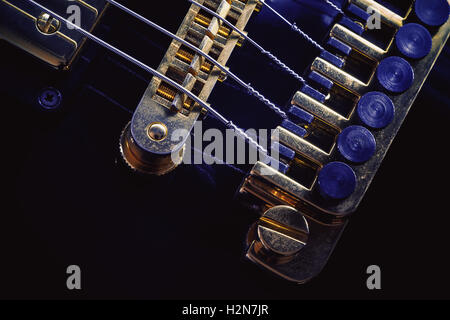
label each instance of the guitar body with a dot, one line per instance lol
(71, 199)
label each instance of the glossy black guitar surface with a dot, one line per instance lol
(70, 198)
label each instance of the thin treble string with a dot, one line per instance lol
(251, 41)
(293, 26)
(335, 7)
(155, 73)
(248, 86)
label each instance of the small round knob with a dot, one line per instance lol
(376, 110)
(356, 144)
(413, 41)
(283, 230)
(432, 12)
(336, 181)
(395, 74)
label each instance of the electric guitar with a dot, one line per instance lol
(95, 91)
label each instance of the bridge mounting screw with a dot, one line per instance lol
(47, 24)
(283, 230)
(50, 98)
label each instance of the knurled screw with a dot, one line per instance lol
(283, 230)
(50, 98)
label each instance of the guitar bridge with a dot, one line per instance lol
(163, 106)
(340, 173)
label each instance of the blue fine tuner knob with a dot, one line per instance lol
(375, 109)
(395, 74)
(336, 181)
(356, 144)
(413, 41)
(432, 12)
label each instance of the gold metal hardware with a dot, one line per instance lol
(157, 131)
(47, 24)
(142, 162)
(327, 219)
(283, 231)
(163, 104)
(42, 35)
(387, 16)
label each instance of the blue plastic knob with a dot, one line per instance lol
(395, 74)
(413, 41)
(356, 144)
(432, 12)
(376, 110)
(336, 181)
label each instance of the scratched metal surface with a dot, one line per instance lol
(70, 201)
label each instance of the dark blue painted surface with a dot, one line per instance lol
(336, 181)
(339, 45)
(351, 25)
(356, 144)
(395, 74)
(313, 93)
(376, 109)
(284, 152)
(292, 127)
(300, 115)
(432, 12)
(413, 41)
(358, 12)
(338, 62)
(320, 80)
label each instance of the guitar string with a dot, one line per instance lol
(203, 153)
(294, 27)
(251, 41)
(250, 89)
(248, 86)
(157, 74)
(335, 7)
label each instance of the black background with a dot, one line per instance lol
(67, 199)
